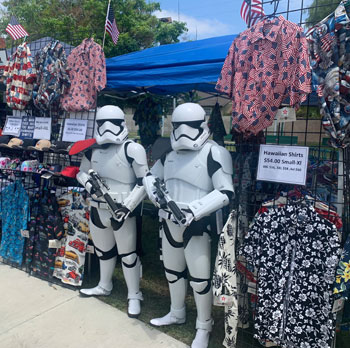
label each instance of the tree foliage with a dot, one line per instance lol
(73, 20)
(320, 9)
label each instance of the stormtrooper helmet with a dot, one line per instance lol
(190, 129)
(110, 125)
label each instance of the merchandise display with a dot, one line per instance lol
(198, 176)
(52, 76)
(330, 62)
(70, 259)
(87, 73)
(281, 243)
(266, 64)
(19, 95)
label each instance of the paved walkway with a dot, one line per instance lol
(35, 314)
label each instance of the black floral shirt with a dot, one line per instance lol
(296, 252)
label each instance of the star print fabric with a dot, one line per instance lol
(266, 65)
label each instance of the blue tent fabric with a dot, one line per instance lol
(170, 69)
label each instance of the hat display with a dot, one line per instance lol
(70, 171)
(14, 143)
(4, 139)
(41, 145)
(61, 147)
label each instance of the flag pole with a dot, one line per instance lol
(104, 34)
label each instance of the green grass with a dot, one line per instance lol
(157, 300)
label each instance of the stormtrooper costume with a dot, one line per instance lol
(198, 177)
(121, 164)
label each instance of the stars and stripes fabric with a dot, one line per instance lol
(15, 30)
(252, 11)
(111, 25)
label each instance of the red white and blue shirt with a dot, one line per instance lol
(266, 65)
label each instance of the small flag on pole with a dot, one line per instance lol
(15, 30)
(252, 11)
(111, 26)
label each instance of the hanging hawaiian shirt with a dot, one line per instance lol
(342, 283)
(20, 76)
(70, 260)
(87, 72)
(266, 64)
(52, 77)
(329, 46)
(296, 253)
(47, 226)
(14, 210)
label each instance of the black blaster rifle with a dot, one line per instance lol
(101, 189)
(166, 202)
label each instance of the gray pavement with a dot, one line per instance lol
(36, 314)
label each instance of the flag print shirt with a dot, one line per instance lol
(296, 253)
(87, 73)
(20, 76)
(329, 45)
(265, 65)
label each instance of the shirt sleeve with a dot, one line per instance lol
(225, 82)
(99, 62)
(251, 248)
(301, 86)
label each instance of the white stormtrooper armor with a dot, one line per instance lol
(198, 177)
(121, 164)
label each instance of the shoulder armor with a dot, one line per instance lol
(136, 152)
(223, 157)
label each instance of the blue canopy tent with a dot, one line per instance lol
(170, 69)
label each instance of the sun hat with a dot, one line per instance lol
(14, 143)
(41, 145)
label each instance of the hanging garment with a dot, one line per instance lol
(329, 46)
(20, 76)
(296, 253)
(48, 226)
(266, 64)
(225, 279)
(14, 210)
(342, 283)
(52, 77)
(147, 117)
(87, 73)
(70, 260)
(216, 125)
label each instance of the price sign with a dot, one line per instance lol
(27, 127)
(285, 164)
(42, 128)
(74, 130)
(12, 126)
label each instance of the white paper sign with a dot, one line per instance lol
(286, 115)
(74, 130)
(12, 126)
(285, 164)
(42, 128)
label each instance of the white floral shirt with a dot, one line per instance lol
(296, 253)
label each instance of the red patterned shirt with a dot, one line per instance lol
(265, 65)
(87, 72)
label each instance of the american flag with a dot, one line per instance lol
(111, 26)
(251, 11)
(15, 30)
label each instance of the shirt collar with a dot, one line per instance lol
(257, 32)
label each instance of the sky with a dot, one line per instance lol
(209, 18)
